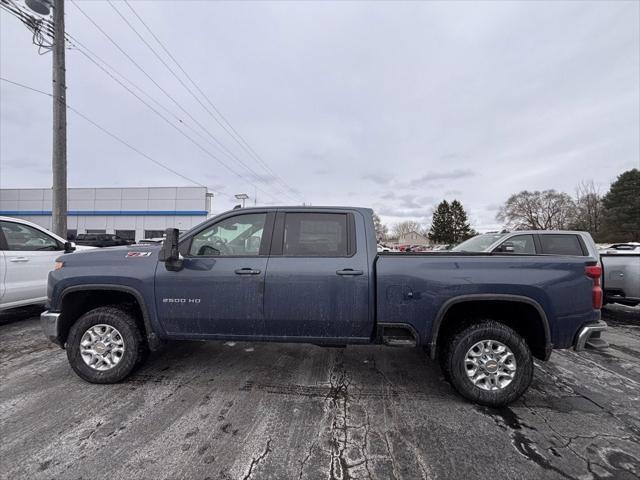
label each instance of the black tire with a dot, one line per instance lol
(455, 351)
(134, 346)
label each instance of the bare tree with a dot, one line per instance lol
(407, 226)
(381, 229)
(588, 212)
(546, 210)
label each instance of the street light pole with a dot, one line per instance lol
(242, 196)
(59, 157)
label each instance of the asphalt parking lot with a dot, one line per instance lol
(201, 410)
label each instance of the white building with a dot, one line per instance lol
(413, 238)
(132, 213)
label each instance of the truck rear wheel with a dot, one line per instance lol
(489, 363)
(105, 345)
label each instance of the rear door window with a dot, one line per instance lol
(561, 244)
(316, 235)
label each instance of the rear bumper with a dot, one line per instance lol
(50, 323)
(591, 332)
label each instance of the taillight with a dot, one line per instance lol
(595, 273)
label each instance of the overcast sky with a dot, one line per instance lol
(389, 105)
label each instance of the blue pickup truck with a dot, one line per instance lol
(312, 274)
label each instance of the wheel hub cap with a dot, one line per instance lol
(102, 347)
(490, 365)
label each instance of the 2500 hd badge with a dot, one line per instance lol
(180, 300)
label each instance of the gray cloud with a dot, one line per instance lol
(378, 178)
(429, 177)
(386, 104)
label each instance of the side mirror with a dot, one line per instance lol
(169, 253)
(69, 247)
(507, 247)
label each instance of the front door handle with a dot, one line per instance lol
(349, 272)
(247, 271)
(19, 259)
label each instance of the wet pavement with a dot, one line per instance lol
(212, 410)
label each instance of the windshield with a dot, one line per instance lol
(479, 243)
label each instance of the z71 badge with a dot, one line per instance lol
(138, 254)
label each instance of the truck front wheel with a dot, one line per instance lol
(489, 363)
(105, 345)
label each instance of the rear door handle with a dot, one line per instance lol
(349, 272)
(247, 271)
(19, 259)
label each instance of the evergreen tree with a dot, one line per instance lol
(441, 226)
(621, 216)
(460, 227)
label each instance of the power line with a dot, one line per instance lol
(79, 47)
(85, 51)
(171, 98)
(177, 77)
(242, 142)
(112, 135)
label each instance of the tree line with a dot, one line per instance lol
(610, 217)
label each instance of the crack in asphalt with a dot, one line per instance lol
(339, 398)
(571, 438)
(258, 459)
(393, 459)
(507, 419)
(565, 385)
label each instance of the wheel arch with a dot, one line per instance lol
(489, 303)
(96, 295)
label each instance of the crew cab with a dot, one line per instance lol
(312, 274)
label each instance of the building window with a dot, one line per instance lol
(96, 231)
(153, 233)
(127, 234)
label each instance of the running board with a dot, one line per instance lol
(397, 335)
(399, 342)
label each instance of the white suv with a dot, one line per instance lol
(27, 254)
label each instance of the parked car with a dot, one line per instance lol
(621, 273)
(629, 247)
(27, 253)
(151, 241)
(550, 242)
(311, 274)
(102, 240)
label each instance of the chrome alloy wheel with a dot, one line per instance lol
(490, 365)
(102, 347)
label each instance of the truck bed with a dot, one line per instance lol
(414, 289)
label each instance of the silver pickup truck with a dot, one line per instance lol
(621, 273)
(620, 262)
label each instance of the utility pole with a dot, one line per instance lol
(59, 158)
